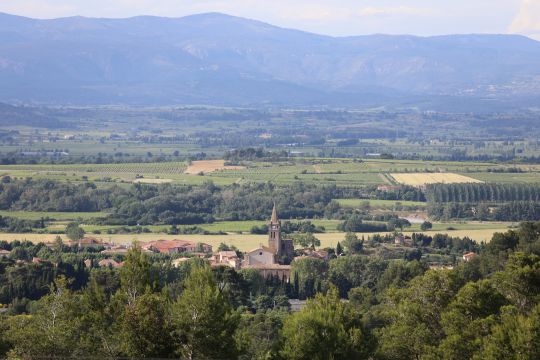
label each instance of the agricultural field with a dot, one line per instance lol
(508, 178)
(216, 227)
(245, 242)
(124, 172)
(109, 169)
(57, 216)
(322, 171)
(244, 227)
(152, 181)
(419, 179)
(335, 172)
(208, 166)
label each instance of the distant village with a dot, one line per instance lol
(271, 260)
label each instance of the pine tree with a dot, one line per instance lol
(324, 329)
(204, 320)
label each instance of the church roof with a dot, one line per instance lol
(263, 248)
(274, 218)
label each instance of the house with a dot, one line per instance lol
(89, 242)
(176, 247)
(468, 256)
(4, 253)
(318, 254)
(227, 258)
(403, 240)
(110, 263)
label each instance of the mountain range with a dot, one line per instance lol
(217, 59)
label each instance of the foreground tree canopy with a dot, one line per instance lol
(359, 307)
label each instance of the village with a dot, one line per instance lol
(272, 260)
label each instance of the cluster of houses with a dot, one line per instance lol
(272, 260)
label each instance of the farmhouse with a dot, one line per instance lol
(403, 240)
(317, 254)
(89, 242)
(468, 256)
(177, 247)
(272, 260)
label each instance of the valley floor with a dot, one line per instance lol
(480, 232)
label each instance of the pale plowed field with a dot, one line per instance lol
(418, 179)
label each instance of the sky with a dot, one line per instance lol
(330, 17)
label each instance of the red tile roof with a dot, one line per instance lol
(168, 246)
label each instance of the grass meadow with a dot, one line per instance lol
(244, 242)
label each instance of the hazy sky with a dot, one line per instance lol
(332, 17)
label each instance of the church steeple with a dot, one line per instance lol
(274, 218)
(274, 233)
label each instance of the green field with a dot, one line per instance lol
(219, 226)
(466, 226)
(244, 227)
(507, 178)
(59, 216)
(331, 226)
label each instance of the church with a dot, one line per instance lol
(274, 259)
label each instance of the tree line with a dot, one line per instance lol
(509, 211)
(478, 193)
(495, 202)
(170, 204)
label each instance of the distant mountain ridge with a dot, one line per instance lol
(219, 59)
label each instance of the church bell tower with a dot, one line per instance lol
(274, 233)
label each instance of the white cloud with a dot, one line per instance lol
(527, 21)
